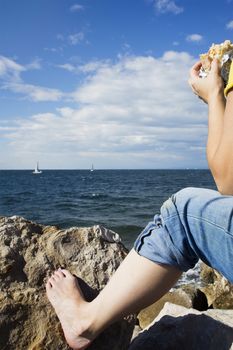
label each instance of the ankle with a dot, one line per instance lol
(90, 326)
(95, 320)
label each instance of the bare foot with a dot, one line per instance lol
(72, 310)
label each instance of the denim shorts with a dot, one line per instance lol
(193, 224)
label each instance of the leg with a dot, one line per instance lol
(137, 283)
(201, 225)
(194, 223)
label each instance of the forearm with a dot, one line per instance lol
(221, 163)
(216, 105)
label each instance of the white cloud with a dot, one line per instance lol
(36, 64)
(71, 39)
(67, 66)
(60, 37)
(34, 92)
(54, 49)
(11, 80)
(164, 6)
(10, 69)
(230, 25)
(76, 8)
(89, 67)
(194, 38)
(137, 112)
(76, 38)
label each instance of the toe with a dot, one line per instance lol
(59, 274)
(52, 281)
(48, 285)
(67, 273)
(62, 271)
(55, 277)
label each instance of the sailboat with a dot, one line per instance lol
(92, 168)
(37, 170)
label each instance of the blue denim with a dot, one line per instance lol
(193, 224)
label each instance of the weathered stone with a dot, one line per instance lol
(188, 296)
(136, 331)
(28, 254)
(207, 274)
(177, 327)
(218, 290)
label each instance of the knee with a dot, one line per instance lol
(193, 197)
(189, 199)
(181, 199)
(187, 193)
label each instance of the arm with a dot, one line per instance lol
(222, 162)
(210, 90)
(216, 108)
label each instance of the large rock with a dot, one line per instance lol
(218, 290)
(177, 327)
(188, 296)
(28, 254)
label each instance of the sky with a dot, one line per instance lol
(105, 82)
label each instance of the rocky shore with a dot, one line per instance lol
(188, 317)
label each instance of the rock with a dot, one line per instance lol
(30, 252)
(177, 327)
(136, 331)
(207, 274)
(218, 290)
(188, 296)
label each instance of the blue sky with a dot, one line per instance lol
(104, 82)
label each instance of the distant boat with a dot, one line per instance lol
(37, 170)
(92, 168)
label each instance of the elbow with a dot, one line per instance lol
(224, 185)
(225, 190)
(222, 172)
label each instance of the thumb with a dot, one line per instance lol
(215, 66)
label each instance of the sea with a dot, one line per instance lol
(121, 200)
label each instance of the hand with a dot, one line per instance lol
(206, 88)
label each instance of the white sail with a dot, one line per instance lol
(92, 167)
(37, 170)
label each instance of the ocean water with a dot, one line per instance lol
(122, 200)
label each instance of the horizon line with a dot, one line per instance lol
(96, 169)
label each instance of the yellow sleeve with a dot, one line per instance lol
(230, 81)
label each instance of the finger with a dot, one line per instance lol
(215, 66)
(190, 81)
(202, 99)
(193, 90)
(194, 71)
(191, 84)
